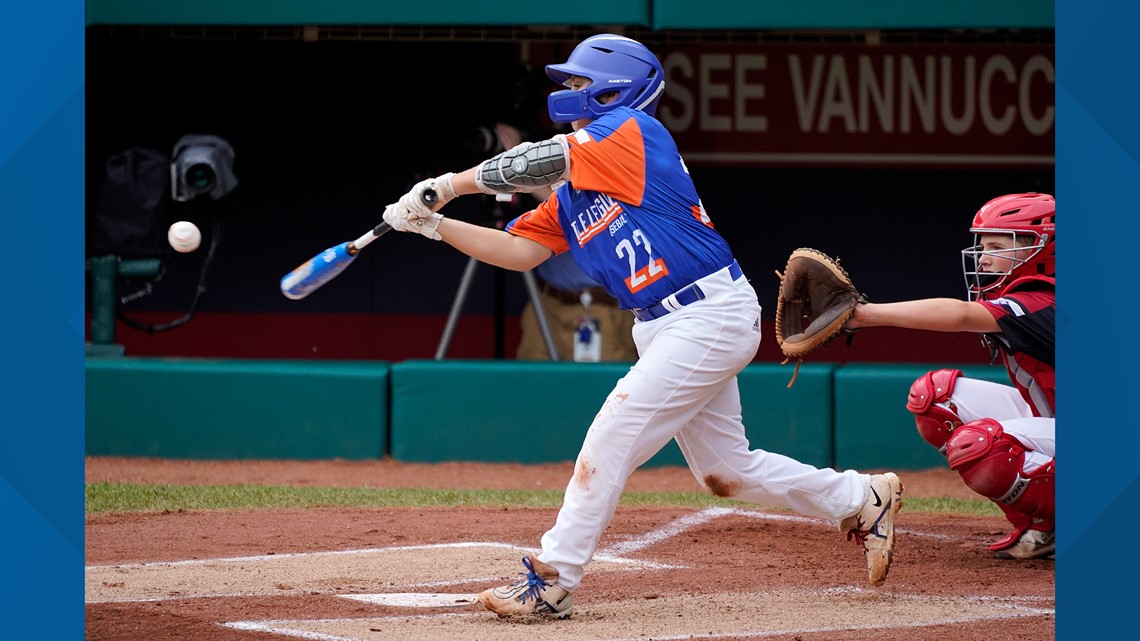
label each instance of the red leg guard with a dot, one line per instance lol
(990, 462)
(935, 422)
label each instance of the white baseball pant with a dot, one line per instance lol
(977, 399)
(684, 387)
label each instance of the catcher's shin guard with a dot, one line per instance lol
(990, 462)
(934, 413)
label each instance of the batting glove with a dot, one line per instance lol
(413, 201)
(403, 220)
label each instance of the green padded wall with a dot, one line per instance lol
(367, 12)
(795, 422)
(229, 409)
(849, 14)
(495, 411)
(873, 429)
(538, 412)
(660, 14)
(849, 416)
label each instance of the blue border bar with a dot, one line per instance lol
(1098, 166)
(41, 319)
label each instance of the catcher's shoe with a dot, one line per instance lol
(535, 594)
(873, 526)
(1028, 544)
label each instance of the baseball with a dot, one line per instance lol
(184, 236)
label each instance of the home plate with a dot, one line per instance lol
(416, 599)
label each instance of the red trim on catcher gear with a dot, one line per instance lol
(1028, 283)
(935, 423)
(1010, 539)
(1022, 524)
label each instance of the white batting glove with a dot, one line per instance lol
(413, 200)
(394, 216)
(403, 220)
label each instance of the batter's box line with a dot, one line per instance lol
(1013, 602)
(689, 521)
(323, 553)
(279, 626)
(612, 553)
(621, 563)
(295, 555)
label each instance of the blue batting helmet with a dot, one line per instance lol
(612, 63)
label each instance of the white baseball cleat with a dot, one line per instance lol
(873, 525)
(534, 594)
(1031, 544)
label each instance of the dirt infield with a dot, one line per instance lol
(660, 573)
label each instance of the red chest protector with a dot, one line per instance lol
(1036, 380)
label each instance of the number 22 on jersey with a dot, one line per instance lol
(644, 267)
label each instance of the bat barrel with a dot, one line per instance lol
(316, 271)
(325, 266)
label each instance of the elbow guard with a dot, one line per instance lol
(527, 167)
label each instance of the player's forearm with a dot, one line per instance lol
(493, 246)
(464, 182)
(932, 314)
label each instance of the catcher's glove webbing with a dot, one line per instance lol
(816, 300)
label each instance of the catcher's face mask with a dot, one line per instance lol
(996, 256)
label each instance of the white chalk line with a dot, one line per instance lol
(613, 553)
(455, 600)
(295, 555)
(670, 530)
(633, 564)
(416, 599)
(281, 626)
(640, 564)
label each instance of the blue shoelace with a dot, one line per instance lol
(534, 583)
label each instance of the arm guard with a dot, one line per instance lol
(526, 167)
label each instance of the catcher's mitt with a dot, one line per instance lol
(816, 300)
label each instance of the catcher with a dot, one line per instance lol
(1000, 438)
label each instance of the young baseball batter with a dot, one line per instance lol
(626, 208)
(999, 438)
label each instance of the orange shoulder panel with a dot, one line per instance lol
(614, 166)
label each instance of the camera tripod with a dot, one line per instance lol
(461, 299)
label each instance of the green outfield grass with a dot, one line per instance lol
(131, 497)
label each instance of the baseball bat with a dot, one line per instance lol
(327, 265)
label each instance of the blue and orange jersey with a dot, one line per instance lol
(629, 212)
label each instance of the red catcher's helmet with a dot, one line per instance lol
(1019, 215)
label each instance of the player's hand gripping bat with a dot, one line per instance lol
(325, 266)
